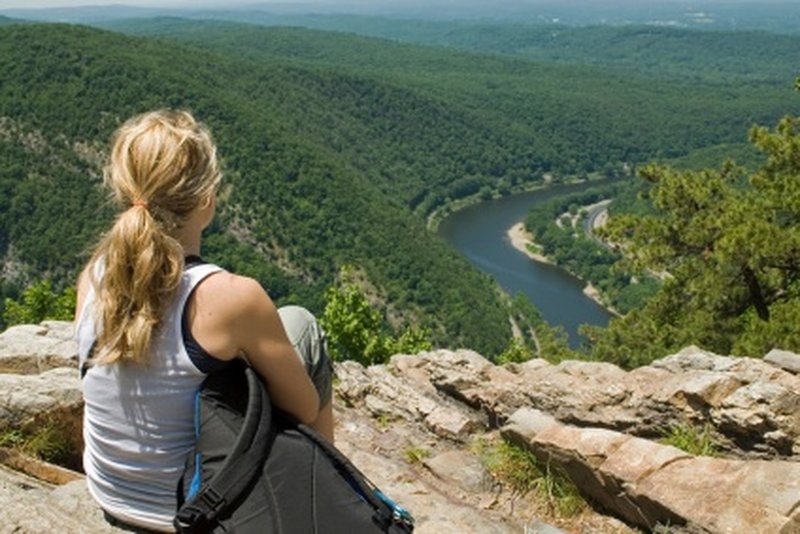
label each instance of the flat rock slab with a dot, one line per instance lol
(434, 512)
(648, 483)
(31, 349)
(729, 495)
(28, 505)
(24, 398)
(788, 361)
(460, 468)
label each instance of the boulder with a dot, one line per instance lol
(31, 349)
(787, 361)
(650, 484)
(53, 393)
(389, 398)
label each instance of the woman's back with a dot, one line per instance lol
(139, 425)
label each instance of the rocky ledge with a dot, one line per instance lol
(411, 425)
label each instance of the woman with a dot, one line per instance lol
(153, 320)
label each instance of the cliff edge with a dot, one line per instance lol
(427, 429)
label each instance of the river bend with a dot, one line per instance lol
(479, 233)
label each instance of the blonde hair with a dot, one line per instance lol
(162, 165)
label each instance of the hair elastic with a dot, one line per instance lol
(139, 204)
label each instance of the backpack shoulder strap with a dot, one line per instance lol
(250, 450)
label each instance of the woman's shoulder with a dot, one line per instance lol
(229, 294)
(223, 311)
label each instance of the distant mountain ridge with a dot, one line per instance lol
(777, 16)
(659, 51)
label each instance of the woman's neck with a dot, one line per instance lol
(189, 239)
(190, 233)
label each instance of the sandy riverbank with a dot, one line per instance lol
(520, 239)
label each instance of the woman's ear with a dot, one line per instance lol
(208, 201)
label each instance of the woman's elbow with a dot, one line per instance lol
(309, 412)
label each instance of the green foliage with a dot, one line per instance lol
(38, 303)
(354, 329)
(11, 438)
(520, 470)
(690, 438)
(536, 338)
(412, 340)
(728, 249)
(516, 352)
(357, 332)
(330, 143)
(50, 444)
(416, 455)
(744, 154)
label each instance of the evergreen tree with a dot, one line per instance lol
(728, 247)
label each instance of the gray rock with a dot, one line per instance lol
(753, 405)
(30, 506)
(787, 361)
(390, 396)
(31, 349)
(537, 527)
(529, 422)
(461, 469)
(441, 400)
(26, 397)
(694, 359)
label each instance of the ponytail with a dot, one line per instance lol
(162, 165)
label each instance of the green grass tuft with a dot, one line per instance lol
(49, 442)
(415, 455)
(696, 440)
(520, 470)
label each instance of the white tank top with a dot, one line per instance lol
(138, 423)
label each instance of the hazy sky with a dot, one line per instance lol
(8, 4)
(13, 4)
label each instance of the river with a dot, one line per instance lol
(479, 233)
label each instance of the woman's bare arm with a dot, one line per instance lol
(233, 316)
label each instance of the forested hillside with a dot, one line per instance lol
(518, 116)
(294, 210)
(335, 148)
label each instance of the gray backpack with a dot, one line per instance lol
(255, 471)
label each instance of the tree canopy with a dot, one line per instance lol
(728, 248)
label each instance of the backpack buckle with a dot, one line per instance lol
(198, 515)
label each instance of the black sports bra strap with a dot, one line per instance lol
(193, 260)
